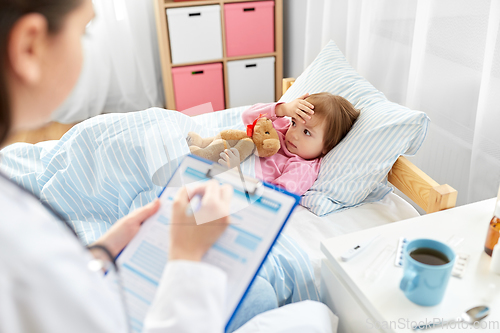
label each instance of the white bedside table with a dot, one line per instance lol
(365, 303)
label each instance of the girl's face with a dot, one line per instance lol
(59, 68)
(306, 140)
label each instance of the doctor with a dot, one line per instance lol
(45, 285)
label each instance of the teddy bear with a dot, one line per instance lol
(260, 138)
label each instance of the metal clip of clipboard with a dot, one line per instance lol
(234, 177)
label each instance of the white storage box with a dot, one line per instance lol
(195, 33)
(251, 81)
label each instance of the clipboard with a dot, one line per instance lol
(258, 210)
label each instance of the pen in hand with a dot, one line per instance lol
(194, 205)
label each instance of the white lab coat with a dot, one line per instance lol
(45, 285)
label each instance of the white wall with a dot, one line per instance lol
(303, 18)
(294, 32)
(440, 57)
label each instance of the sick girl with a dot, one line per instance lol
(308, 128)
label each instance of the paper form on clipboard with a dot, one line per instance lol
(258, 212)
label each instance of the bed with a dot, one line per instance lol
(309, 229)
(111, 164)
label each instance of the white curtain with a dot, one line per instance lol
(121, 70)
(441, 57)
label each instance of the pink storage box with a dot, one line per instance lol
(249, 28)
(199, 84)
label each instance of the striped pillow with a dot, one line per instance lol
(355, 171)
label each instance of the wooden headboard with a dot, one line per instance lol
(51, 131)
(413, 182)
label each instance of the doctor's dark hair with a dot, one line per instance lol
(10, 12)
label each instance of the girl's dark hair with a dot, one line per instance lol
(10, 11)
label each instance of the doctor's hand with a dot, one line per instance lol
(122, 232)
(191, 235)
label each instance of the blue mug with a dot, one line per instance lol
(425, 284)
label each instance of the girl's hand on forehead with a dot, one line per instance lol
(298, 108)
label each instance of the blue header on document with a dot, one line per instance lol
(258, 215)
(263, 202)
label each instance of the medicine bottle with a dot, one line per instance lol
(493, 231)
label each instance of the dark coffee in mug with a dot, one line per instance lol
(429, 256)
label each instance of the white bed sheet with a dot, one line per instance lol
(308, 229)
